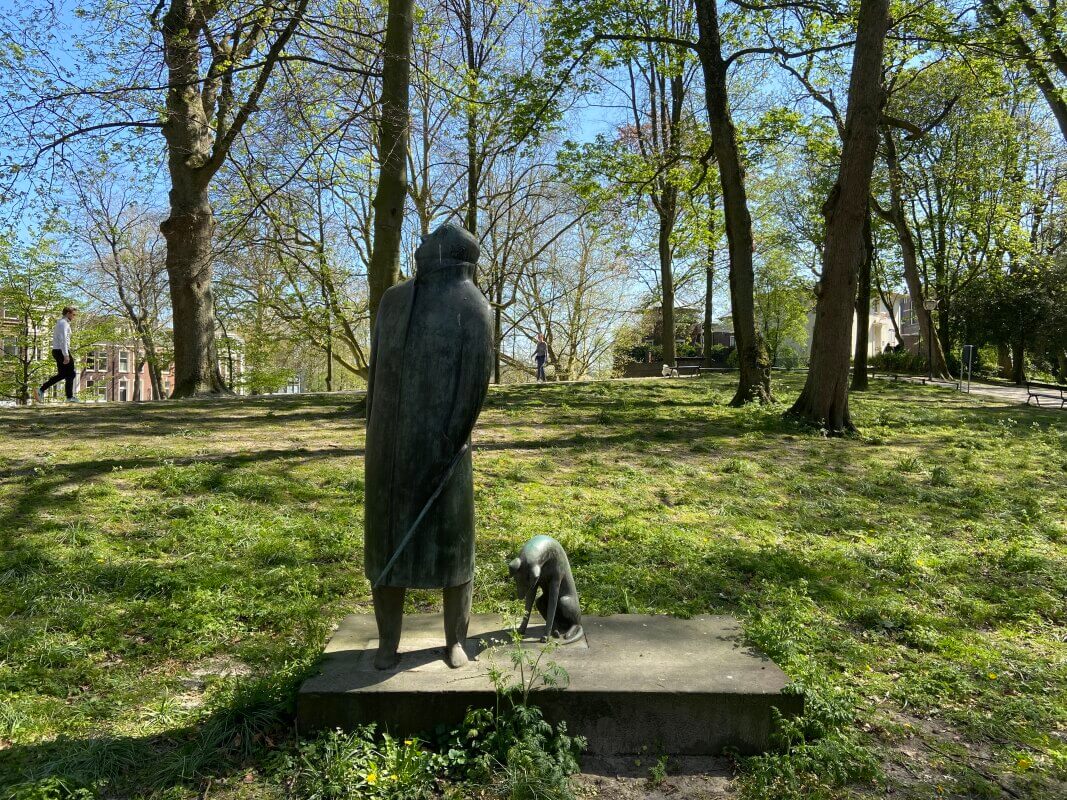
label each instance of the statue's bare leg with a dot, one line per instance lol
(457, 618)
(389, 614)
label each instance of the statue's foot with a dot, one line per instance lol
(386, 658)
(456, 656)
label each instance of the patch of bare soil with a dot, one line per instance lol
(196, 681)
(927, 754)
(629, 778)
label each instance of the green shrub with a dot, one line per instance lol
(720, 354)
(515, 752)
(903, 361)
(817, 753)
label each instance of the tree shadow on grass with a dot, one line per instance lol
(35, 506)
(226, 741)
(79, 472)
(173, 418)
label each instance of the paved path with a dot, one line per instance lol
(1008, 394)
(1005, 394)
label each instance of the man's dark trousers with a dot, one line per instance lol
(65, 373)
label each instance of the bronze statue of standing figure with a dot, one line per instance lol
(431, 356)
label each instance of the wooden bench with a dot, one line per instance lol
(1050, 391)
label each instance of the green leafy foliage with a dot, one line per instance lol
(339, 765)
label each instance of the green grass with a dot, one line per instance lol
(169, 572)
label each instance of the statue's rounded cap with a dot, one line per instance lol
(448, 244)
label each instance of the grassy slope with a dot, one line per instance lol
(913, 578)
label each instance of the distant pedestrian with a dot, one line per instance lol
(540, 356)
(64, 360)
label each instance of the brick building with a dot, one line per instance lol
(107, 372)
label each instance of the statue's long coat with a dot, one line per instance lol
(431, 357)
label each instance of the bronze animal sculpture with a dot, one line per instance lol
(543, 564)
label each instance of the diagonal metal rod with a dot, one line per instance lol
(418, 519)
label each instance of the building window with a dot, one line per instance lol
(123, 393)
(11, 346)
(124, 361)
(907, 312)
(96, 361)
(97, 390)
(8, 313)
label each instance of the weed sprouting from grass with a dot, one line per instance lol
(910, 464)
(657, 773)
(941, 476)
(739, 466)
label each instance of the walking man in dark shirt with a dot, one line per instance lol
(540, 356)
(64, 360)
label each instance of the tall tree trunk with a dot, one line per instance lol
(863, 309)
(887, 301)
(325, 285)
(709, 301)
(897, 218)
(189, 228)
(471, 134)
(383, 270)
(824, 399)
(155, 374)
(229, 355)
(188, 231)
(666, 275)
(1004, 361)
(139, 364)
(498, 332)
(329, 352)
(22, 397)
(1018, 360)
(471, 220)
(203, 119)
(1061, 362)
(754, 382)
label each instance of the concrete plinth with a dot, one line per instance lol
(673, 686)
